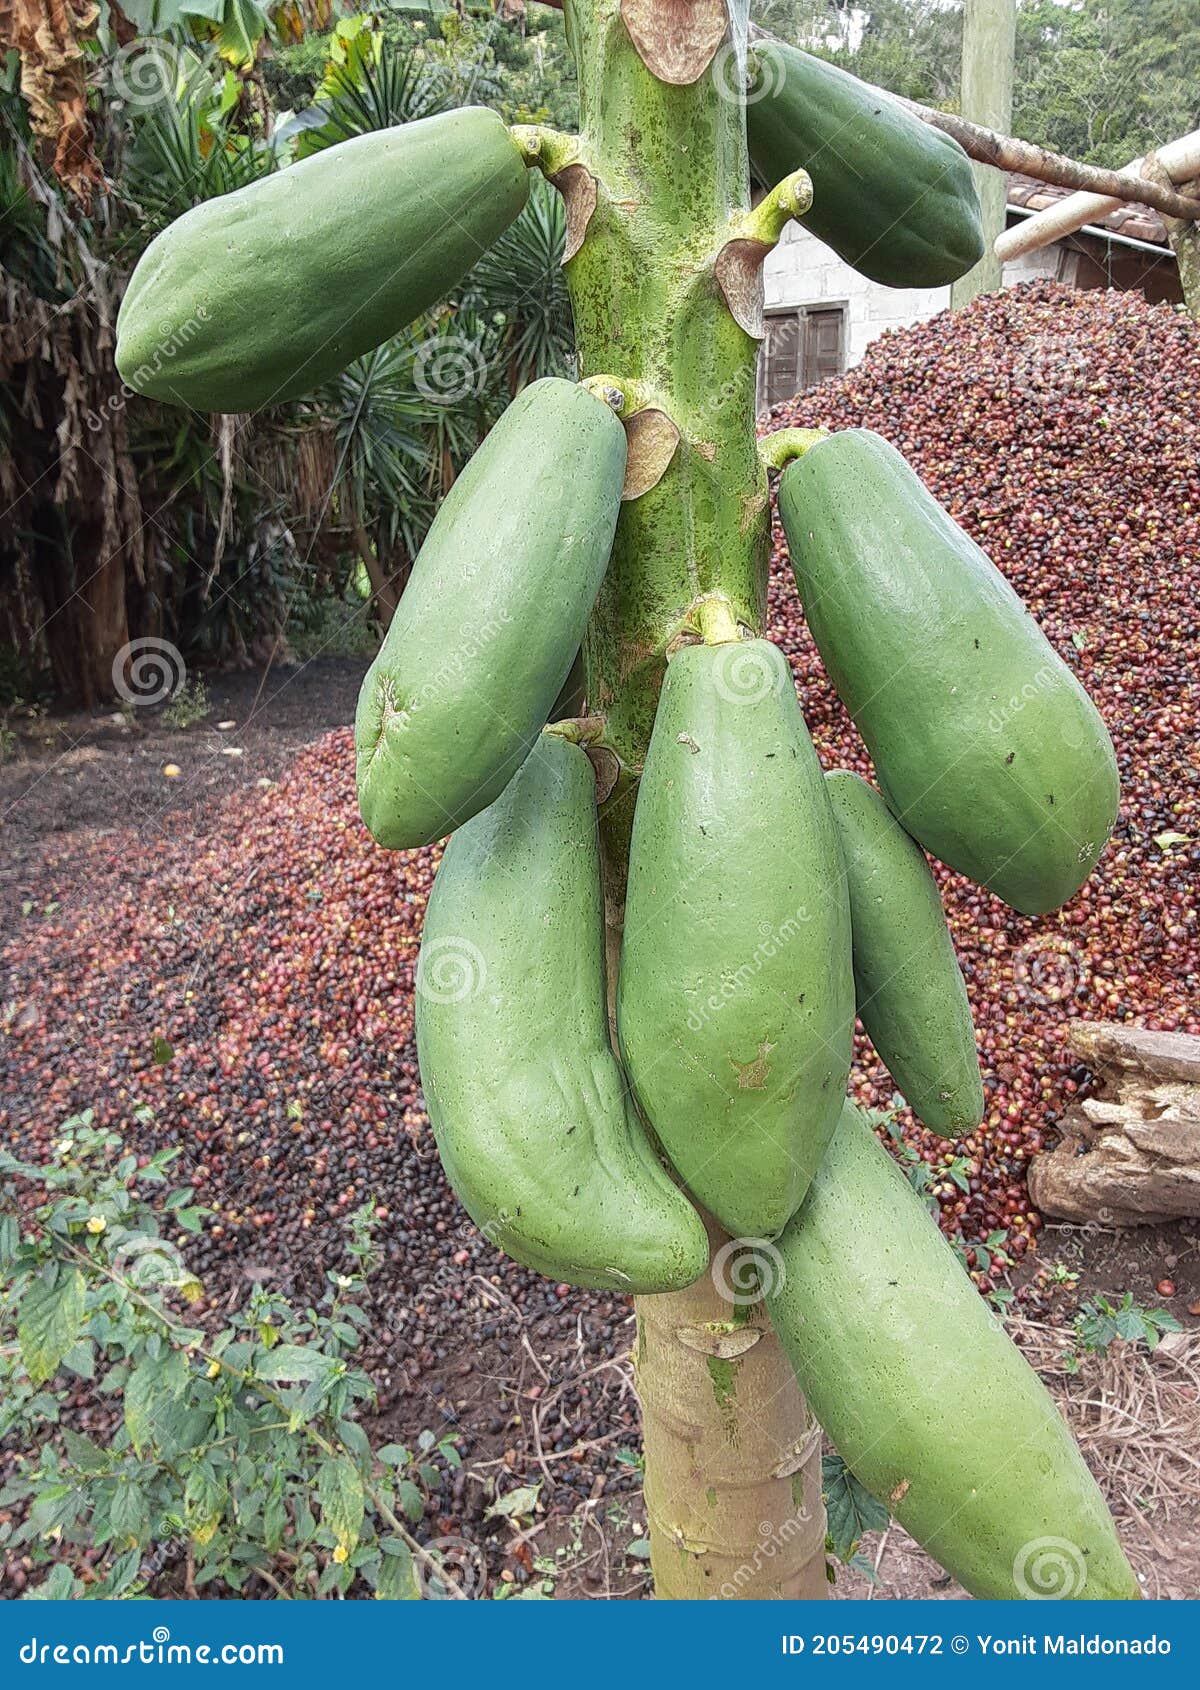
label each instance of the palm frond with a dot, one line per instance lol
(397, 88)
(184, 151)
(520, 279)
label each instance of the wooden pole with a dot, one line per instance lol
(1185, 244)
(989, 44)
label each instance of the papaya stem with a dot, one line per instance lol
(733, 1487)
(550, 150)
(783, 445)
(716, 620)
(790, 198)
(578, 730)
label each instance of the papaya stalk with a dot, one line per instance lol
(665, 267)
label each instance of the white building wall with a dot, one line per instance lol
(803, 271)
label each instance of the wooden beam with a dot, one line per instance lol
(1179, 160)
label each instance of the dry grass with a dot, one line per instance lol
(1135, 1412)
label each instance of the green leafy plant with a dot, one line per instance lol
(1101, 1323)
(235, 1452)
(850, 1511)
(191, 704)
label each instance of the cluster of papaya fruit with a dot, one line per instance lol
(767, 904)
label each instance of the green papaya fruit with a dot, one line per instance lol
(735, 996)
(532, 1118)
(987, 749)
(484, 636)
(910, 991)
(893, 197)
(263, 294)
(930, 1404)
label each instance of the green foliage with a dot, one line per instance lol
(237, 1450)
(1102, 1322)
(367, 84)
(406, 417)
(253, 539)
(191, 704)
(850, 1511)
(1108, 79)
(190, 147)
(518, 284)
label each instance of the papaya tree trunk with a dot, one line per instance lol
(664, 250)
(733, 1456)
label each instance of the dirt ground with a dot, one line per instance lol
(542, 1391)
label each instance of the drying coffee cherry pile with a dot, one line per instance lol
(252, 980)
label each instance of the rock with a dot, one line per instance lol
(1130, 1154)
